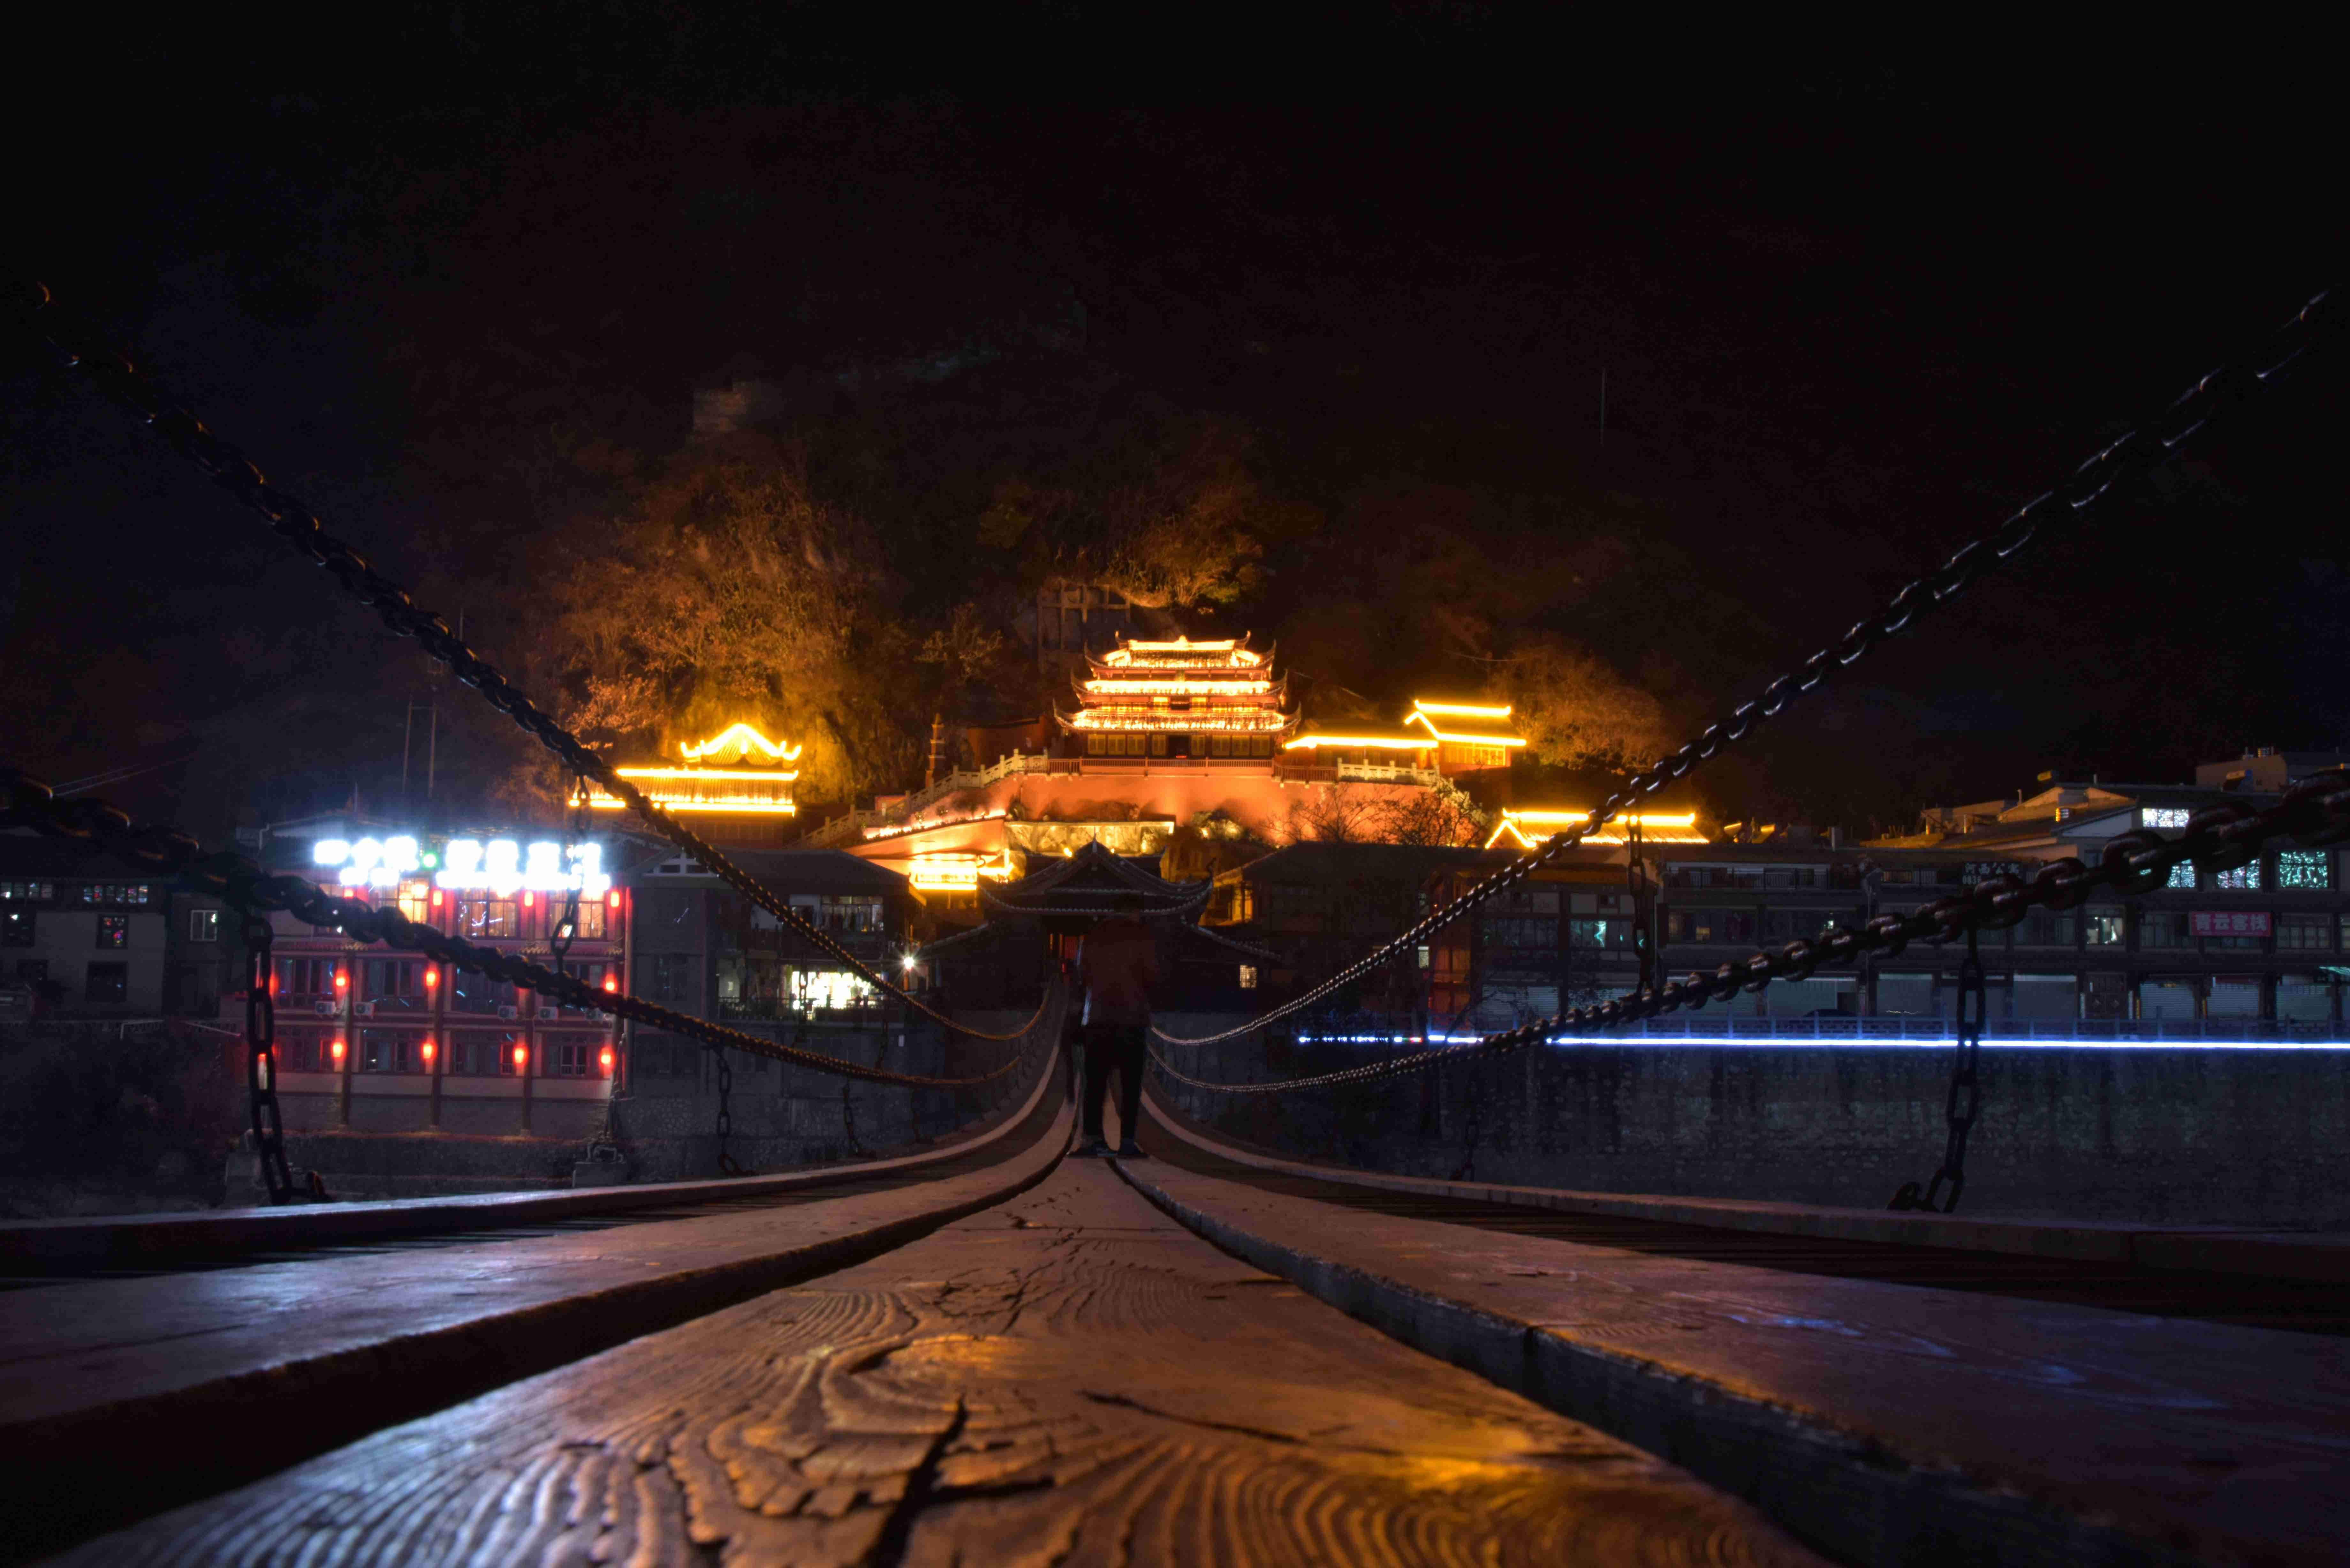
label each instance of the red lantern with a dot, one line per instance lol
(431, 975)
(606, 1058)
(428, 1051)
(338, 1053)
(522, 1055)
(611, 982)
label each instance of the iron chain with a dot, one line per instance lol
(727, 1164)
(295, 523)
(261, 1064)
(2230, 834)
(238, 882)
(2134, 452)
(1965, 1103)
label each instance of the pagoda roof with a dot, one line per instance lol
(1182, 653)
(1087, 884)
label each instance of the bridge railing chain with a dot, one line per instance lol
(2128, 455)
(295, 522)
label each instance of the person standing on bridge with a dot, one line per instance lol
(1118, 963)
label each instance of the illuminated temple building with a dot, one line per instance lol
(1165, 734)
(1181, 701)
(734, 788)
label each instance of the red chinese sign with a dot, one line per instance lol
(2231, 922)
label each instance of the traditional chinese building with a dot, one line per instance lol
(1209, 701)
(734, 788)
(1437, 737)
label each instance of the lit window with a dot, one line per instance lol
(416, 900)
(2106, 928)
(114, 930)
(487, 917)
(2303, 870)
(2241, 880)
(2181, 876)
(15, 928)
(204, 925)
(2169, 817)
(1248, 973)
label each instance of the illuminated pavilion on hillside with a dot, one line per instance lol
(1205, 701)
(1446, 737)
(736, 787)
(1527, 828)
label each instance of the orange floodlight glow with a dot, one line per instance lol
(740, 738)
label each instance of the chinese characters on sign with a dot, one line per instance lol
(2231, 922)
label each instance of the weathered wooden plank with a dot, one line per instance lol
(1886, 1423)
(120, 1397)
(1068, 1377)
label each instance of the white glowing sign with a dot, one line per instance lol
(503, 866)
(500, 865)
(370, 862)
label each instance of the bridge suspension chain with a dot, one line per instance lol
(245, 886)
(295, 523)
(2132, 453)
(2217, 839)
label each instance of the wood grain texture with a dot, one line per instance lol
(120, 1398)
(1885, 1420)
(1067, 1378)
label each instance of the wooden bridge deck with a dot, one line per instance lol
(1069, 1376)
(1127, 1364)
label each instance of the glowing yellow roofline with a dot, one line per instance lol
(1503, 741)
(1673, 828)
(1461, 709)
(731, 807)
(746, 775)
(741, 735)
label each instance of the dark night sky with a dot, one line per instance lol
(1848, 314)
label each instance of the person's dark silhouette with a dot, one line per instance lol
(1118, 963)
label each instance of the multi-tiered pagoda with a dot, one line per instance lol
(1203, 701)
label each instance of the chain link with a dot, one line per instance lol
(1965, 1103)
(295, 522)
(2315, 814)
(261, 1065)
(238, 882)
(2134, 452)
(727, 1164)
